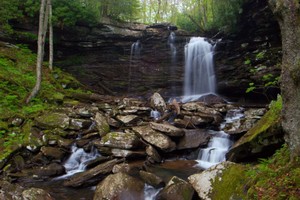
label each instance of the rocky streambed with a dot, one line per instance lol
(126, 152)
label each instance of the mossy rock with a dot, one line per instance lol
(263, 139)
(223, 181)
(53, 120)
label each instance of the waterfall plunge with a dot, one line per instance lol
(199, 69)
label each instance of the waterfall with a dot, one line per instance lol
(199, 69)
(171, 43)
(135, 55)
(173, 51)
(135, 52)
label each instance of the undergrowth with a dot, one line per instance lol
(17, 78)
(276, 178)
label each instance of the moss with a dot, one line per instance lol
(275, 178)
(231, 184)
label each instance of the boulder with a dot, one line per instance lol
(153, 154)
(36, 194)
(119, 186)
(119, 140)
(222, 181)
(53, 152)
(176, 189)
(122, 153)
(102, 124)
(193, 138)
(155, 138)
(53, 120)
(151, 179)
(158, 103)
(83, 178)
(127, 119)
(167, 129)
(262, 139)
(78, 124)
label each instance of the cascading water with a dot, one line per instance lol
(219, 143)
(78, 160)
(199, 68)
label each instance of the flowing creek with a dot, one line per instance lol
(199, 81)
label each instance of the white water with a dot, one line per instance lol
(219, 144)
(78, 160)
(199, 69)
(155, 114)
(135, 52)
(150, 192)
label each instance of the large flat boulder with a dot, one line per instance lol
(155, 138)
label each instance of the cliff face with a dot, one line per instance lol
(102, 58)
(125, 59)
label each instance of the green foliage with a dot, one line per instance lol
(8, 11)
(275, 178)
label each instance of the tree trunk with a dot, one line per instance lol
(288, 15)
(50, 36)
(40, 52)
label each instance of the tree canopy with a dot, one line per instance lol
(192, 15)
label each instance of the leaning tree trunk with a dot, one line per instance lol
(50, 36)
(40, 53)
(288, 15)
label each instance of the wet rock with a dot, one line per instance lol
(53, 152)
(53, 120)
(114, 123)
(153, 154)
(102, 124)
(50, 170)
(151, 179)
(155, 138)
(176, 189)
(193, 139)
(158, 103)
(167, 129)
(83, 177)
(261, 140)
(127, 119)
(10, 191)
(203, 182)
(65, 143)
(123, 167)
(130, 154)
(36, 194)
(119, 140)
(120, 186)
(78, 124)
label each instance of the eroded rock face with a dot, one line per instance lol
(119, 186)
